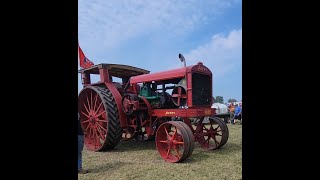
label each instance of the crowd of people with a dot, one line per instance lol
(235, 111)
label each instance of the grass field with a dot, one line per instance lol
(140, 160)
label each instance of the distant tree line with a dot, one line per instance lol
(219, 99)
(231, 100)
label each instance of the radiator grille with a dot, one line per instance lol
(201, 90)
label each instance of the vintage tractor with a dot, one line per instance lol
(171, 107)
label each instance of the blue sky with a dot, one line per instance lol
(150, 35)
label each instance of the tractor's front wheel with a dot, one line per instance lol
(99, 117)
(211, 133)
(174, 141)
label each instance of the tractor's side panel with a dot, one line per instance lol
(189, 89)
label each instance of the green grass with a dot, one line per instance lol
(140, 160)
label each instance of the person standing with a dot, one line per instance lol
(231, 111)
(80, 148)
(238, 113)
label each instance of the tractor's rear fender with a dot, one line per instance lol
(118, 98)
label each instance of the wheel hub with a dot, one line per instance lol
(212, 132)
(92, 120)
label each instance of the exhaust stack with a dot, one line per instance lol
(182, 60)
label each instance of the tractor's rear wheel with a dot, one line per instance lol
(99, 117)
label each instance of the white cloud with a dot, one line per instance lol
(222, 54)
(106, 24)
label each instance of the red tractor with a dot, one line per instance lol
(171, 107)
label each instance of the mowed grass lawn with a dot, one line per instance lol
(141, 160)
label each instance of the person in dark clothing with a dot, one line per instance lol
(80, 148)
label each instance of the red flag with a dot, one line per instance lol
(84, 61)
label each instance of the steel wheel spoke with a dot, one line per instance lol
(168, 152)
(95, 135)
(86, 108)
(102, 127)
(97, 138)
(90, 129)
(166, 132)
(85, 121)
(94, 138)
(100, 130)
(87, 127)
(205, 128)
(217, 143)
(100, 113)
(178, 142)
(85, 114)
(177, 152)
(174, 134)
(208, 139)
(211, 127)
(217, 127)
(88, 104)
(91, 102)
(100, 120)
(98, 108)
(95, 102)
(100, 133)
